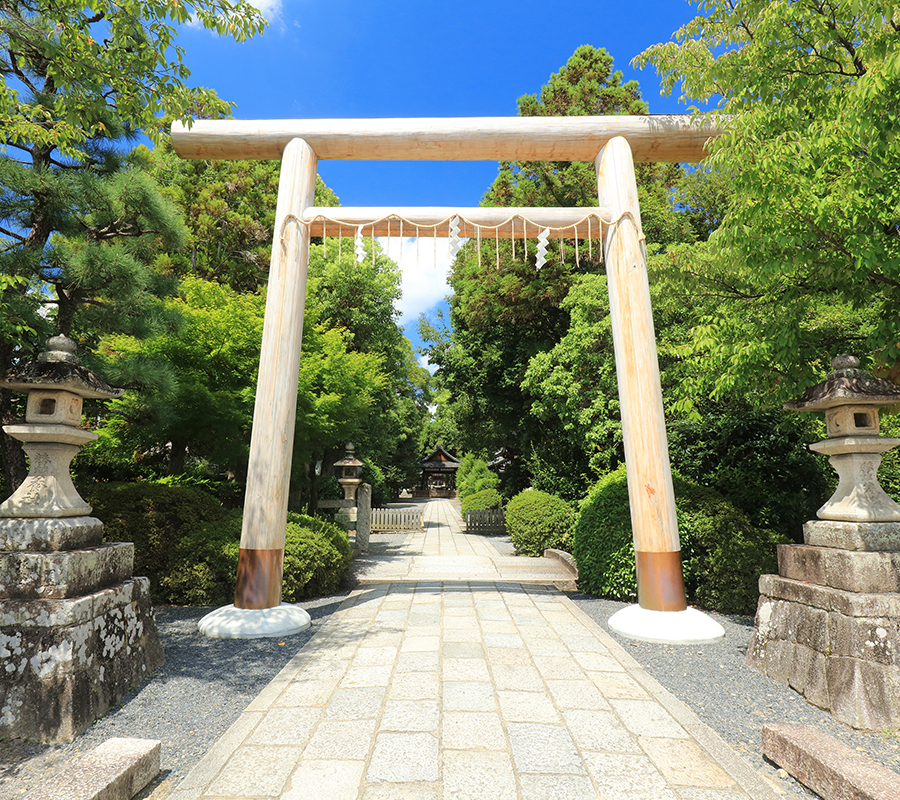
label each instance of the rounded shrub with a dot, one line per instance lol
(482, 501)
(153, 516)
(188, 545)
(536, 520)
(474, 476)
(723, 553)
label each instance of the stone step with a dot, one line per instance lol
(63, 574)
(850, 570)
(40, 535)
(827, 766)
(116, 770)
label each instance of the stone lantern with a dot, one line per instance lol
(350, 480)
(827, 623)
(77, 629)
(850, 398)
(56, 385)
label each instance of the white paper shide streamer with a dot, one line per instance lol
(455, 242)
(542, 238)
(360, 247)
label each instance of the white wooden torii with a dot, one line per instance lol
(612, 143)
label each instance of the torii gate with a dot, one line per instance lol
(612, 143)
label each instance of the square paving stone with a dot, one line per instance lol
(577, 694)
(404, 757)
(286, 726)
(460, 635)
(648, 718)
(368, 676)
(415, 686)
(498, 626)
(627, 776)
(323, 670)
(477, 776)
(583, 644)
(467, 649)
(468, 696)
(502, 640)
(417, 662)
(374, 656)
(526, 707)
(410, 715)
(356, 703)
(255, 772)
(517, 676)
(597, 662)
(600, 730)
(464, 669)
(699, 793)
(381, 639)
(401, 791)
(553, 668)
(421, 644)
(683, 762)
(325, 780)
(543, 749)
(508, 655)
(341, 739)
(618, 685)
(544, 646)
(557, 787)
(307, 693)
(472, 730)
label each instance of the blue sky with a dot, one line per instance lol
(444, 58)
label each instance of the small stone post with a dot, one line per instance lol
(363, 517)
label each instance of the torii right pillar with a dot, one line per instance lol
(661, 614)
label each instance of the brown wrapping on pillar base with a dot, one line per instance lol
(259, 578)
(660, 581)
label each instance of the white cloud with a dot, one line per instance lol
(424, 269)
(271, 9)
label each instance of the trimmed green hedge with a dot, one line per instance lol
(482, 501)
(536, 520)
(723, 553)
(188, 545)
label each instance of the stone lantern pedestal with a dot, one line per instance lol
(828, 625)
(76, 629)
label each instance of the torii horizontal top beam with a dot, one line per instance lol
(653, 137)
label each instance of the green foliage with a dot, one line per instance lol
(759, 460)
(482, 501)
(536, 521)
(188, 545)
(474, 476)
(807, 257)
(73, 65)
(723, 553)
(155, 518)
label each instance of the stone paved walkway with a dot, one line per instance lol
(466, 689)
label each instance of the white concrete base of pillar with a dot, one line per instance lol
(229, 622)
(667, 627)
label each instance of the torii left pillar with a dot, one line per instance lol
(258, 610)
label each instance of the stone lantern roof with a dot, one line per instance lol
(349, 460)
(846, 385)
(58, 368)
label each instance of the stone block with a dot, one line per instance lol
(882, 536)
(802, 563)
(864, 694)
(808, 626)
(866, 638)
(116, 770)
(41, 535)
(827, 766)
(860, 571)
(63, 574)
(853, 604)
(56, 679)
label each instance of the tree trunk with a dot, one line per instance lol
(177, 457)
(15, 468)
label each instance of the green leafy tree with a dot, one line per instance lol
(77, 230)
(806, 261)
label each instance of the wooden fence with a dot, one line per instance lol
(487, 523)
(398, 519)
